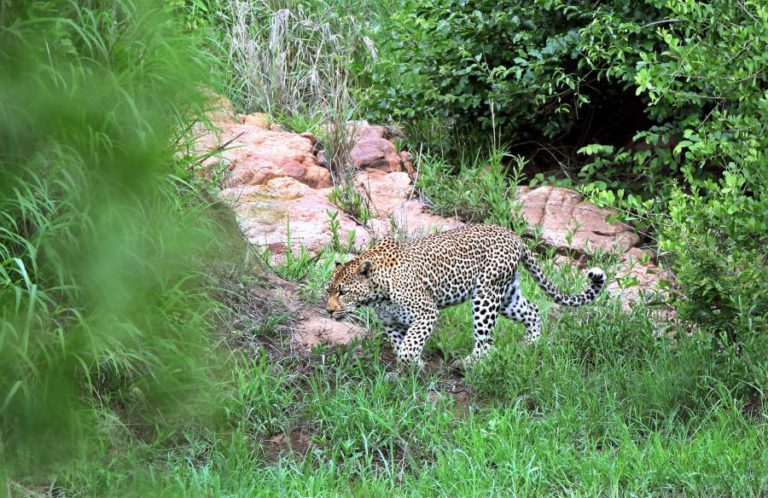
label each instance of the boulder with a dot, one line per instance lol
(257, 155)
(568, 222)
(373, 148)
(284, 210)
(364, 130)
(311, 324)
(394, 205)
(254, 151)
(376, 153)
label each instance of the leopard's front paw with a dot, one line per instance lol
(404, 367)
(409, 363)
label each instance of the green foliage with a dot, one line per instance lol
(263, 395)
(194, 15)
(351, 201)
(295, 264)
(480, 189)
(508, 66)
(335, 228)
(713, 138)
(659, 107)
(719, 243)
(600, 406)
(105, 315)
(541, 72)
(708, 113)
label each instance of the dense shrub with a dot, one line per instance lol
(516, 68)
(658, 106)
(644, 83)
(705, 81)
(104, 312)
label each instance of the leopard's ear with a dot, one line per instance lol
(337, 263)
(365, 268)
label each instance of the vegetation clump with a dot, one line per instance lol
(106, 314)
(657, 108)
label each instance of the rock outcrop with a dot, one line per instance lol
(278, 184)
(571, 224)
(568, 221)
(279, 188)
(256, 151)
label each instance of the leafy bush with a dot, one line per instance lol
(104, 312)
(718, 240)
(710, 137)
(658, 106)
(513, 67)
(638, 89)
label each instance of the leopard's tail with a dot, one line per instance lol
(596, 277)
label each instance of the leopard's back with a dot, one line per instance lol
(451, 264)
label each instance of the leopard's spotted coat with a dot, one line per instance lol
(407, 284)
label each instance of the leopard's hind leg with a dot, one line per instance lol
(516, 307)
(486, 303)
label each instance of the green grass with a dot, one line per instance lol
(106, 306)
(599, 406)
(478, 187)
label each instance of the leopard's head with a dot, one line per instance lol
(363, 281)
(352, 285)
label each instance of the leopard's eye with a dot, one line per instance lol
(341, 290)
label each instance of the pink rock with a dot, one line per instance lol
(406, 158)
(386, 189)
(314, 330)
(640, 254)
(269, 212)
(373, 147)
(372, 131)
(394, 206)
(376, 153)
(255, 155)
(364, 130)
(635, 280)
(533, 202)
(309, 136)
(563, 215)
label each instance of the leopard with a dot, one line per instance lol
(406, 283)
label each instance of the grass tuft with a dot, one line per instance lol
(105, 312)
